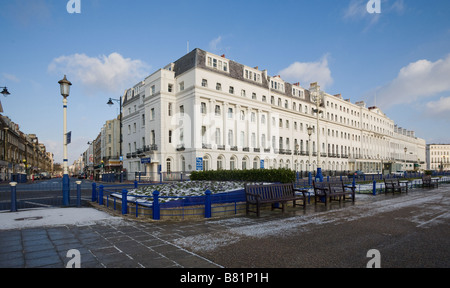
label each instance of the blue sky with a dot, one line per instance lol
(401, 55)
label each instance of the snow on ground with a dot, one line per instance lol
(250, 227)
(53, 217)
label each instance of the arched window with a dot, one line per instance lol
(220, 163)
(233, 163)
(168, 165)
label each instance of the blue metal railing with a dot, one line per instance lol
(154, 205)
(142, 203)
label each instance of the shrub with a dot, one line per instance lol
(254, 175)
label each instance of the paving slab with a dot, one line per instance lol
(409, 231)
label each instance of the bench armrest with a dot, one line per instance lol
(302, 191)
(350, 186)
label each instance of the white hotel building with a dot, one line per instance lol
(204, 111)
(438, 157)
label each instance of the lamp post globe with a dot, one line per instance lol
(5, 91)
(65, 91)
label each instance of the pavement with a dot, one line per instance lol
(408, 231)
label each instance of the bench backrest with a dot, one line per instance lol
(281, 191)
(335, 186)
(320, 185)
(272, 191)
(264, 191)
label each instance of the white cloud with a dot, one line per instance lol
(439, 108)
(112, 73)
(214, 44)
(11, 77)
(309, 72)
(356, 10)
(418, 80)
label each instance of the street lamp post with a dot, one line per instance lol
(405, 149)
(110, 103)
(310, 130)
(317, 97)
(65, 90)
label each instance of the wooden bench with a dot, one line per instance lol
(395, 185)
(333, 191)
(427, 181)
(272, 194)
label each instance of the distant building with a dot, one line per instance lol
(110, 142)
(21, 153)
(103, 153)
(438, 157)
(208, 112)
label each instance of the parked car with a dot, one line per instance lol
(357, 174)
(45, 175)
(399, 173)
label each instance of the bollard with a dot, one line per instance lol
(100, 195)
(208, 204)
(135, 184)
(124, 202)
(94, 192)
(374, 189)
(156, 209)
(13, 197)
(78, 193)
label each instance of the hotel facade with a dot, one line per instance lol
(207, 112)
(438, 157)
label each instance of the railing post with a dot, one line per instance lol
(94, 192)
(13, 197)
(374, 189)
(124, 202)
(156, 209)
(208, 204)
(78, 193)
(100, 195)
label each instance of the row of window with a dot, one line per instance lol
(216, 63)
(440, 160)
(257, 163)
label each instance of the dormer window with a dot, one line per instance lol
(276, 85)
(218, 63)
(252, 74)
